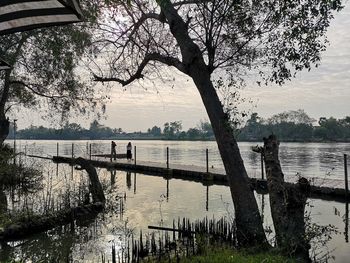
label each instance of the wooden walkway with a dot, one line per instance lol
(327, 189)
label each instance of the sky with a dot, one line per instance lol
(322, 92)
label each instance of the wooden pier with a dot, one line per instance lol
(327, 189)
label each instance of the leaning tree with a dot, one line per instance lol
(213, 40)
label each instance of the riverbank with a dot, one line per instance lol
(230, 255)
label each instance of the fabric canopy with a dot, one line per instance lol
(22, 15)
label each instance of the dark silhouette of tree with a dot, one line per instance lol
(155, 130)
(198, 38)
(44, 64)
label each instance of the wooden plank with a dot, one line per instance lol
(119, 155)
(170, 229)
(322, 189)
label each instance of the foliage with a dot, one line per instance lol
(295, 126)
(172, 129)
(272, 40)
(46, 69)
(234, 35)
(70, 131)
(14, 175)
(228, 254)
(318, 237)
(288, 126)
(73, 131)
(224, 37)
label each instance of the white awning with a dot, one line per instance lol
(22, 15)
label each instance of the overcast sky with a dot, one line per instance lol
(324, 91)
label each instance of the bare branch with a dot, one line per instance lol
(167, 60)
(28, 86)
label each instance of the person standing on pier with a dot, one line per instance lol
(113, 151)
(128, 151)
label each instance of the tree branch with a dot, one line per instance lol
(28, 86)
(167, 60)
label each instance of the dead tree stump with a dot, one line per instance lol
(287, 204)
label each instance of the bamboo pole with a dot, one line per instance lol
(207, 159)
(167, 157)
(135, 154)
(346, 176)
(262, 164)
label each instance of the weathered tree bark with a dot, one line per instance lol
(287, 204)
(95, 185)
(248, 220)
(4, 122)
(3, 201)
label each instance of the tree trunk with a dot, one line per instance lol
(3, 201)
(287, 204)
(250, 231)
(4, 128)
(95, 185)
(4, 122)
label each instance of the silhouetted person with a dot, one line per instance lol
(113, 150)
(128, 151)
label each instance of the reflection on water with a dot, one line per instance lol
(346, 221)
(308, 159)
(128, 179)
(156, 200)
(144, 205)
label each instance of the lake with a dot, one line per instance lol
(152, 200)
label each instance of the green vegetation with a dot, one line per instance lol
(296, 126)
(73, 131)
(287, 126)
(226, 255)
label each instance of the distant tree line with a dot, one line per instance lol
(70, 131)
(74, 131)
(296, 126)
(287, 126)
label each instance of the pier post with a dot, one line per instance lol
(90, 151)
(262, 164)
(346, 176)
(135, 154)
(207, 159)
(167, 157)
(207, 200)
(57, 149)
(72, 162)
(134, 183)
(167, 190)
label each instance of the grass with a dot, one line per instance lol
(228, 255)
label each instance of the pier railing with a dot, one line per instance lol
(205, 160)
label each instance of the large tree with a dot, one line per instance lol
(214, 40)
(45, 70)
